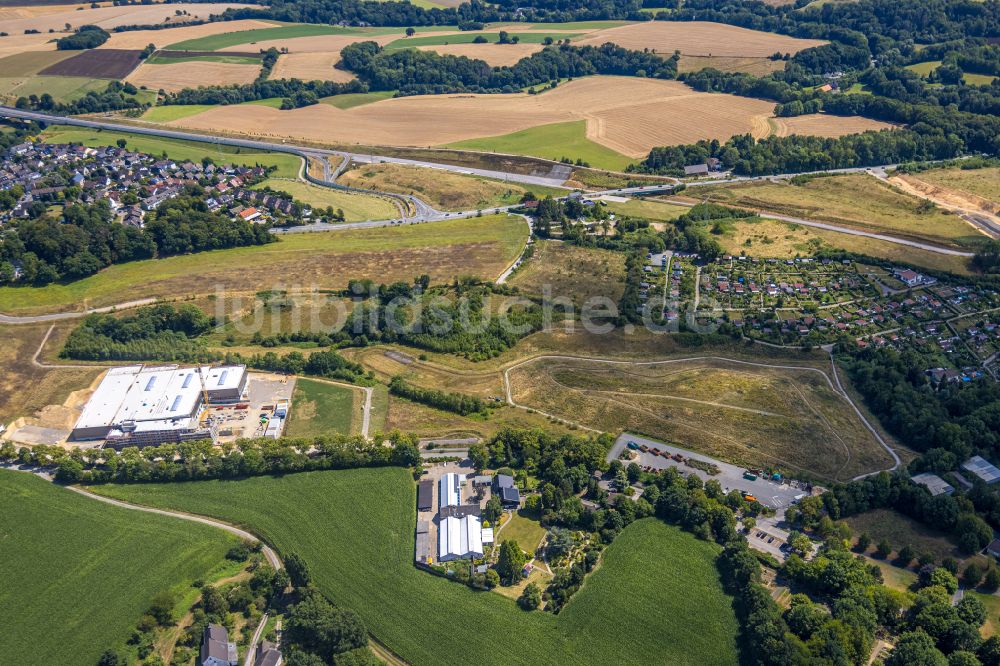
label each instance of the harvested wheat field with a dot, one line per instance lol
(628, 115)
(178, 76)
(821, 124)
(310, 67)
(138, 39)
(498, 55)
(755, 66)
(14, 44)
(111, 17)
(698, 38)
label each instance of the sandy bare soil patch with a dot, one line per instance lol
(137, 39)
(627, 114)
(498, 55)
(110, 17)
(310, 67)
(819, 124)
(14, 44)
(182, 75)
(956, 200)
(698, 38)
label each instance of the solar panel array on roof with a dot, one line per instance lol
(982, 468)
(187, 380)
(149, 384)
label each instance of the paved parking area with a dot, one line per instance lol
(776, 495)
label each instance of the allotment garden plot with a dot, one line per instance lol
(740, 412)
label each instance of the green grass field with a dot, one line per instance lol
(286, 31)
(287, 165)
(523, 529)
(554, 142)
(479, 246)
(31, 62)
(319, 408)
(355, 528)
(351, 100)
(62, 88)
(356, 207)
(79, 574)
(925, 68)
(222, 57)
(166, 114)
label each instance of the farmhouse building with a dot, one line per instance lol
(267, 654)
(696, 170)
(505, 489)
(216, 650)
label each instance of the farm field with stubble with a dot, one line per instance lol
(81, 573)
(654, 584)
(739, 413)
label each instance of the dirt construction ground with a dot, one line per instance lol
(698, 38)
(626, 114)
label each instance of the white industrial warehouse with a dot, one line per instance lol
(140, 405)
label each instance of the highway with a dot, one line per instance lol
(422, 211)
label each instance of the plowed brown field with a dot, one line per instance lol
(698, 38)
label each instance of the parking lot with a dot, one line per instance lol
(776, 495)
(246, 419)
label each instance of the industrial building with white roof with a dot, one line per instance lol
(140, 405)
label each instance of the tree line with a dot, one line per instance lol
(198, 460)
(449, 401)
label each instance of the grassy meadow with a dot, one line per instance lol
(81, 573)
(656, 582)
(858, 201)
(574, 272)
(320, 408)
(356, 207)
(482, 246)
(553, 142)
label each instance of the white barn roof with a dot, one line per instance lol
(460, 538)
(450, 490)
